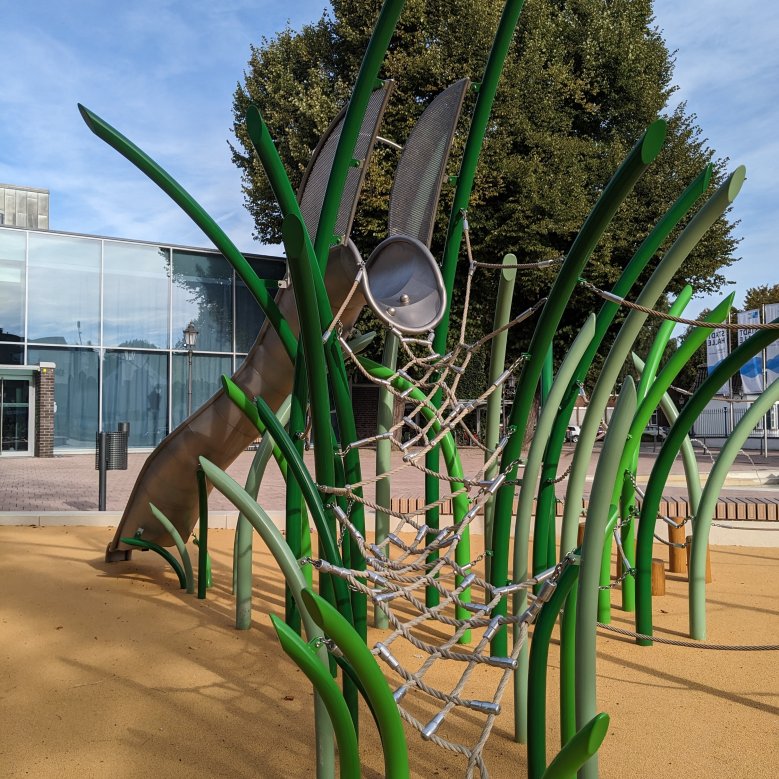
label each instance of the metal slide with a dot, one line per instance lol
(218, 430)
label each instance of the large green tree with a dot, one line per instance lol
(583, 80)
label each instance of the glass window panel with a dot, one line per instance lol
(135, 390)
(11, 355)
(64, 294)
(12, 285)
(207, 371)
(203, 294)
(75, 395)
(135, 295)
(248, 314)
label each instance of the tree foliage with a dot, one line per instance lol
(581, 83)
(761, 295)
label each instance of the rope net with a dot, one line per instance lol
(414, 557)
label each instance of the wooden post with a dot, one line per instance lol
(677, 556)
(580, 534)
(658, 576)
(708, 559)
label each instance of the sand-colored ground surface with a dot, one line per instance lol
(111, 670)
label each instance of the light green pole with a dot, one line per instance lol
(592, 548)
(384, 420)
(296, 581)
(525, 509)
(684, 244)
(495, 400)
(708, 505)
(393, 740)
(627, 499)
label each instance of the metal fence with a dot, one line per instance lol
(720, 422)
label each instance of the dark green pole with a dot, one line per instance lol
(462, 195)
(615, 192)
(202, 543)
(547, 499)
(657, 479)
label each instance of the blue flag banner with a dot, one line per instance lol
(716, 352)
(751, 371)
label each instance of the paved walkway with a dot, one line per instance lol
(70, 482)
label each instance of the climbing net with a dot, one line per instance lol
(414, 560)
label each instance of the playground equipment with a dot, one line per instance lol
(423, 570)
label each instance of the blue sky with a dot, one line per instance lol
(163, 73)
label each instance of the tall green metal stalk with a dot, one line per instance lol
(525, 510)
(495, 400)
(592, 547)
(547, 498)
(654, 394)
(358, 103)
(295, 580)
(454, 233)
(393, 740)
(665, 458)
(615, 192)
(697, 227)
(384, 420)
(200, 217)
(624, 486)
(708, 505)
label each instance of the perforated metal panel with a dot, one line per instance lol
(420, 172)
(314, 181)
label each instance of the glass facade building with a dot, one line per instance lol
(110, 314)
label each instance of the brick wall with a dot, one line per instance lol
(44, 410)
(365, 399)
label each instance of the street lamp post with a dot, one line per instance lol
(190, 337)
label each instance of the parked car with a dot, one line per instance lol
(572, 433)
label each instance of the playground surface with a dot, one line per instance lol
(111, 670)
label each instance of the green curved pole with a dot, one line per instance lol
(495, 400)
(627, 498)
(393, 740)
(592, 548)
(454, 233)
(708, 505)
(199, 216)
(384, 420)
(279, 181)
(525, 509)
(598, 220)
(655, 354)
(547, 498)
(189, 576)
(305, 658)
(296, 581)
(568, 669)
(691, 472)
(460, 502)
(579, 749)
(358, 103)
(162, 552)
(665, 458)
(664, 272)
(539, 655)
(242, 550)
(299, 471)
(203, 561)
